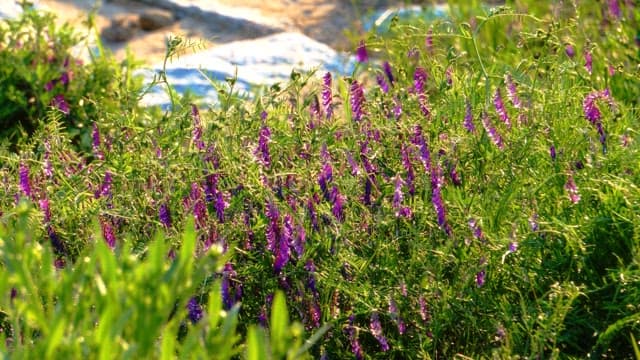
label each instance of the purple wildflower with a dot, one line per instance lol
(49, 85)
(197, 128)
(311, 282)
(387, 71)
(312, 214)
(419, 80)
(108, 233)
(398, 196)
(614, 9)
(324, 178)
(164, 215)
(262, 151)
(425, 154)
(355, 169)
(588, 61)
(475, 228)
(220, 205)
(282, 255)
(196, 202)
(366, 197)
(95, 143)
(572, 189)
(500, 108)
(56, 243)
(44, 207)
(195, 310)
(314, 112)
(408, 167)
(552, 152)
(428, 41)
(361, 52)
(65, 77)
(356, 348)
(513, 246)
(468, 117)
(25, 182)
(338, 204)
(326, 95)
(228, 277)
(300, 241)
(395, 316)
(376, 330)
(448, 75)
(491, 131)
(570, 51)
(512, 92)
(48, 167)
(382, 83)
(273, 231)
(590, 108)
(480, 278)
(357, 100)
(436, 199)
(369, 167)
(60, 103)
(397, 108)
(105, 187)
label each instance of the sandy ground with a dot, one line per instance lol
(323, 20)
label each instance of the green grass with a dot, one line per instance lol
(535, 256)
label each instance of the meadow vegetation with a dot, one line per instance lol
(470, 190)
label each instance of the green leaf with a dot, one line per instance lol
(279, 324)
(256, 344)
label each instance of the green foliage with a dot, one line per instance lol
(41, 71)
(456, 243)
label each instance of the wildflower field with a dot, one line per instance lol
(471, 190)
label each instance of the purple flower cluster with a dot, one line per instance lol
(492, 132)
(593, 114)
(419, 84)
(588, 61)
(408, 167)
(436, 199)
(197, 128)
(384, 86)
(48, 167)
(326, 95)
(500, 108)
(356, 348)
(262, 151)
(229, 284)
(376, 330)
(395, 316)
(386, 67)
(25, 181)
(572, 189)
(108, 233)
(468, 117)
(512, 92)
(164, 215)
(398, 196)
(194, 309)
(476, 230)
(361, 52)
(356, 100)
(95, 143)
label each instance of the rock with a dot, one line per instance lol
(262, 61)
(122, 28)
(10, 10)
(154, 19)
